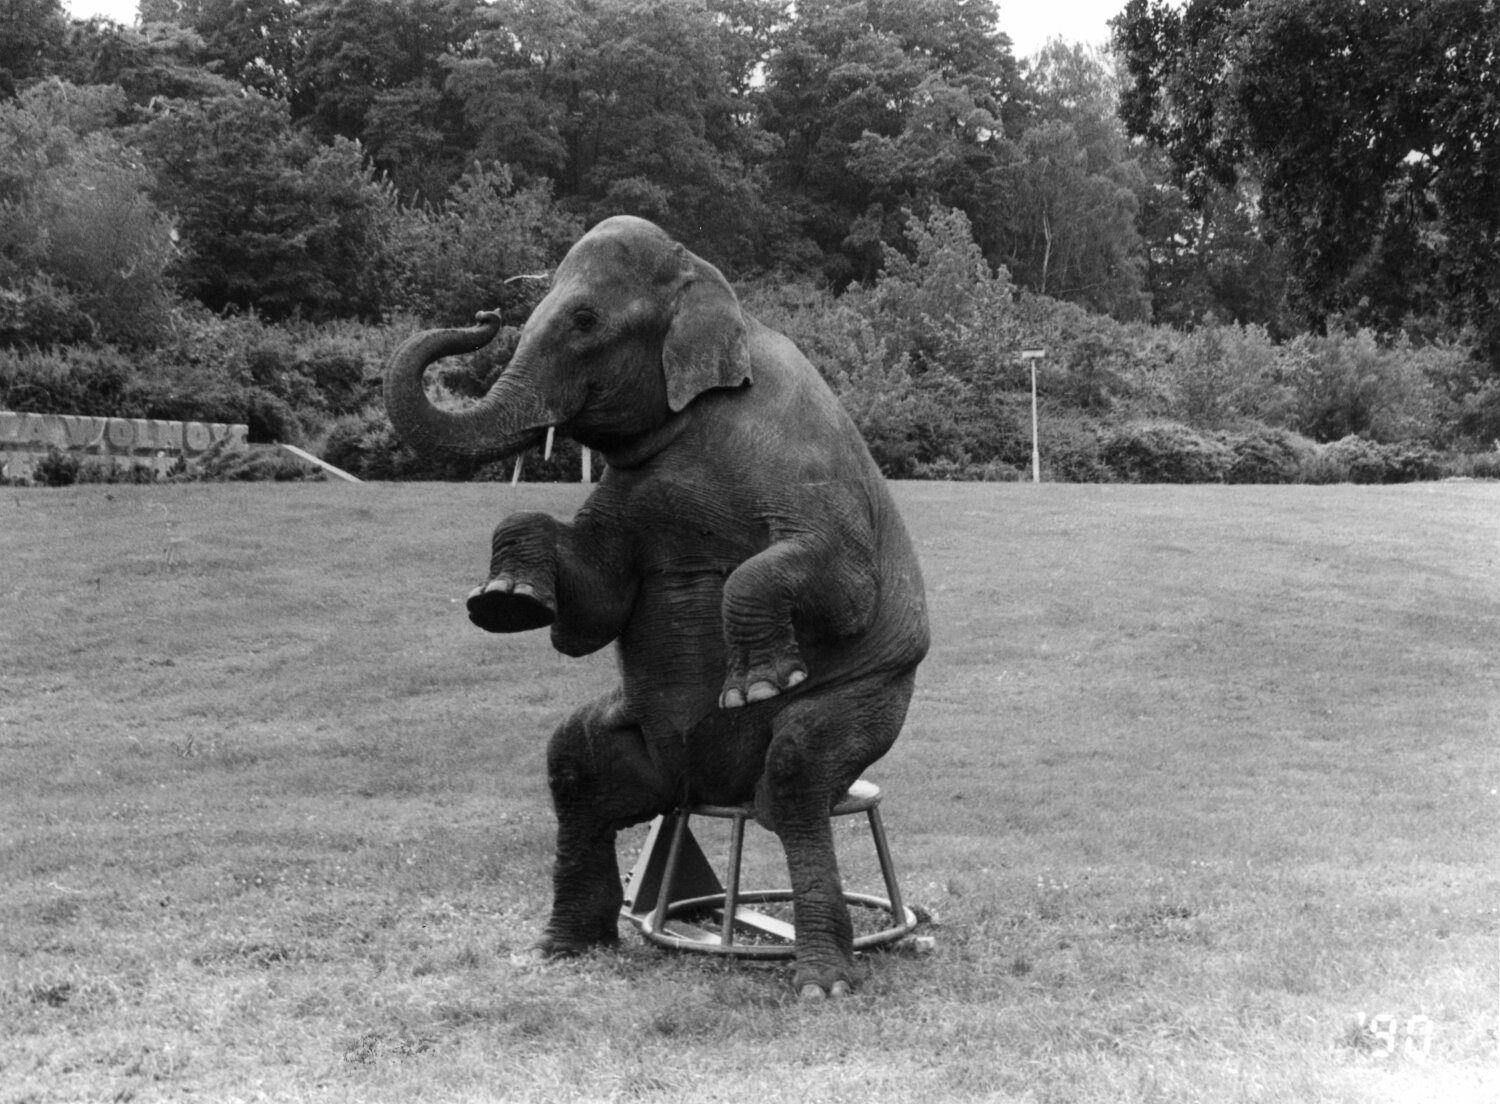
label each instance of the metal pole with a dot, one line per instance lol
(1034, 355)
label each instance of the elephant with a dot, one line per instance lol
(741, 551)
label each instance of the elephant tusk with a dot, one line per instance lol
(547, 449)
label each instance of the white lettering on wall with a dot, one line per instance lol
(123, 442)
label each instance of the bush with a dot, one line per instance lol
(1072, 450)
(448, 263)
(1267, 455)
(1481, 465)
(1217, 376)
(57, 469)
(1353, 459)
(83, 251)
(80, 380)
(36, 310)
(1349, 384)
(365, 446)
(1165, 453)
(64, 469)
(226, 462)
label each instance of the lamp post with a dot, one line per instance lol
(1032, 356)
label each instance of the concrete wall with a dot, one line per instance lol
(121, 442)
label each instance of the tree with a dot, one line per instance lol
(158, 61)
(1210, 261)
(879, 107)
(31, 35)
(1070, 233)
(1064, 207)
(628, 107)
(254, 42)
(1372, 129)
(271, 220)
(376, 71)
(83, 251)
(450, 262)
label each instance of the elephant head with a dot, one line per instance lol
(633, 329)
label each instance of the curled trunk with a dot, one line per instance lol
(508, 419)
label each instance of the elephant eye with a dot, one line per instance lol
(585, 320)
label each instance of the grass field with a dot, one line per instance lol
(1199, 786)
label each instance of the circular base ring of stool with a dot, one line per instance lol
(703, 941)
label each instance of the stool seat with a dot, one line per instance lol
(673, 880)
(862, 796)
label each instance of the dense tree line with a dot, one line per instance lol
(1299, 170)
(774, 137)
(1369, 132)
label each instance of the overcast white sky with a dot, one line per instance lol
(1030, 23)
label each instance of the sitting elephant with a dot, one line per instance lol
(741, 551)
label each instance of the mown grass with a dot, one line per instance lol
(1195, 777)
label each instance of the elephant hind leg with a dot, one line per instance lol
(820, 746)
(602, 779)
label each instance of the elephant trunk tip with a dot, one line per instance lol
(507, 420)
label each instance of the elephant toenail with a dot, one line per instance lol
(732, 699)
(811, 992)
(839, 989)
(760, 691)
(525, 590)
(796, 677)
(499, 584)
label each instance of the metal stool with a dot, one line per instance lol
(673, 878)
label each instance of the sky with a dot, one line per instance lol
(1030, 23)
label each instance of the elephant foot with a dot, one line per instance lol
(814, 992)
(817, 983)
(751, 682)
(504, 605)
(560, 946)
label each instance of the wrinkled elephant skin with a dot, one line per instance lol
(741, 551)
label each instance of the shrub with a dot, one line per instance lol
(1348, 384)
(1267, 455)
(924, 361)
(1219, 375)
(64, 469)
(226, 462)
(448, 263)
(36, 310)
(365, 445)
(1353, 459)
(1165, 453)
(56, 469)
(564, 466)
(1481, 465)
(1071, 451)
(83, 251)
(79, 380)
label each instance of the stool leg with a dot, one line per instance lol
(669, 874)
(732, 890)
(887, 868)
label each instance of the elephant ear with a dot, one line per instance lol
(706, 344)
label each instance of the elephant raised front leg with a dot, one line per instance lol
(521, 593)
(544, 572)
(831, 587)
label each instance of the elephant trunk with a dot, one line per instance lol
(510, 418)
